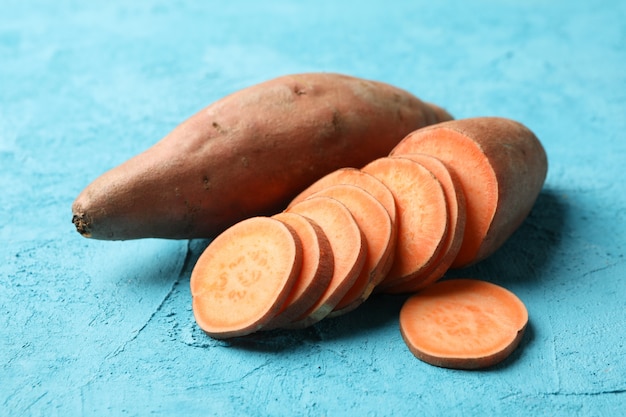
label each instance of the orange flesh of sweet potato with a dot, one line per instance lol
(353, 176)
(249, 154)
(317, 269)
(501, 166)
(243, 278)
(379, 232)
(422, 218)
(348, 246)
(455, 200)
(463, 323)
(371, 184)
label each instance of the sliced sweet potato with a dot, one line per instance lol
(353, 176)
(463, 323)
(422, 218)
(501, 166)
(243, 278)
(455, 200)
(379, 232)
(356, 177)
(349, 249)
(317, 269)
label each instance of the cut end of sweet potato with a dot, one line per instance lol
(463, 324)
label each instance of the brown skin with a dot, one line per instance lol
(249, 154)
(501, 183)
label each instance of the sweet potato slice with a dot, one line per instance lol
(244, 277)
(353, 176)
(349, 249)
(356, 177)
(317, 269)
(379, 232)
(422, 218)
(455, 200)
(501, 166)
(463, 323)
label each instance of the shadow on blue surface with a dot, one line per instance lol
(374, 315)
(527, 253)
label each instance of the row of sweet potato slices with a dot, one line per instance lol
(442, 199)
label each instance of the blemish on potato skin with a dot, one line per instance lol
(218, 127)
(299, 90)
(206, 182)
(244, 162)
(336, 122)
(400, 114)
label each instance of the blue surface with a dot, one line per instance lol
(105, 328)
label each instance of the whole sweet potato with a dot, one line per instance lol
(249, 154)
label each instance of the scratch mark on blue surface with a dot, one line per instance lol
(36, 400)
(553, 353)
(593, 271)
(239, 379)
(158, 308)
(518, 395)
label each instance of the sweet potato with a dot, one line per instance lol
(463, 323)
(349, 249)
(501, 166)
(249, 154)
(243, 278)
(422, 217)
(353, 176)
(371, 184)
(379, 232)
(455, 200)
(317, 269)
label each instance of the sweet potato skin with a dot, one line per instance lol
(249, 154)
(521, 166)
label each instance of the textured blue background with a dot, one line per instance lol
(105, 328)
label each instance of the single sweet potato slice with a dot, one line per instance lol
(455, 200)
(244, 277)
(422, 218)
(317, 269)
(501, 166)
(349, 249)
(375, 223)
(463, 323)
